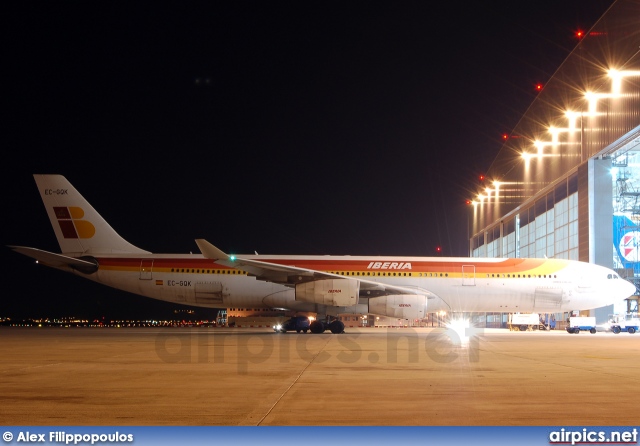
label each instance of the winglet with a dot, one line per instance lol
(210, 251)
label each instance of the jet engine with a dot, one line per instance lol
(404, 306)
(335, 292)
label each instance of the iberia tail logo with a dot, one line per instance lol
(71, 223)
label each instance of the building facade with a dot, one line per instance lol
(566, 182)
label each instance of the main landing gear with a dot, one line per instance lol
(335, 326)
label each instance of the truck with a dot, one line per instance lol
(624, 322)
(581, 323)
(523, 321)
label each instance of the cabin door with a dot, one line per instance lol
(468, 275)
(146, 267)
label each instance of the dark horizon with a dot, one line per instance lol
(315, 128)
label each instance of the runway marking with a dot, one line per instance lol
(32, 367)
(294, 382)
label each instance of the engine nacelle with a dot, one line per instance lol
(404, 306)
(336, 292)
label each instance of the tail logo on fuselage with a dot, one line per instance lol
(71, 223)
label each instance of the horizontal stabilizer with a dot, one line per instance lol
(57, 260)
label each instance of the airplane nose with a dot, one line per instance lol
(628, 289)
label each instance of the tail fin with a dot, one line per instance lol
(79, 228)
(626, 240)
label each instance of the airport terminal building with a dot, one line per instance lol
(566, 182)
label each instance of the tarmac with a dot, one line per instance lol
(364, 377)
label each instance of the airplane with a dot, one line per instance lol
(399, 287)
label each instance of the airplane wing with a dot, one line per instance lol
(57, 260)
(292, 275)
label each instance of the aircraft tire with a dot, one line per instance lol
(336, 327)
(631, 330)
(592, 331)
(317, 327)
(616, 330)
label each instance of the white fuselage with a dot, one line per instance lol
(454, 284)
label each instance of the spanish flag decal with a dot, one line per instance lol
(159, 282)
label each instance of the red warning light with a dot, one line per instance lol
(579, 34)
(438, 249)
(505, 136)
(538, 87)
(481, 177)
(468, 201)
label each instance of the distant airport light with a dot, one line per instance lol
(539, 87)
(616, 78)
(616, 81)
(579, 34)
(572, 117)
(540, 145)
(461, 328)
(593, 99)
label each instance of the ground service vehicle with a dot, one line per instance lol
(523, 321)
(297, 323)
(621, 322)
(582, 323)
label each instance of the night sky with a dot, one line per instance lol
(279, 127)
